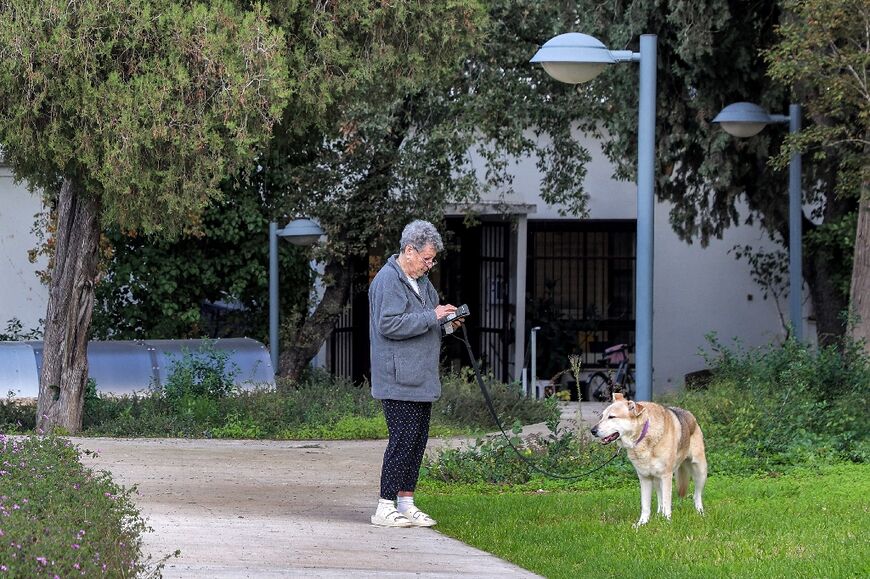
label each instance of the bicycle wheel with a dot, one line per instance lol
(598, 388)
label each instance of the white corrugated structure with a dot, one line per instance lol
(125, 367)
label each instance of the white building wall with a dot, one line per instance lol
(22, 295)
(696, 290)
(701, 290)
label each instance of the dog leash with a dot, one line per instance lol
(488, 399)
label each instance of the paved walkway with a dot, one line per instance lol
(280, 509)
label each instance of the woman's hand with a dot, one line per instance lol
(442, 311)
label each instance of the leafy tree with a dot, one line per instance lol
(156, 288)
(824, 51)
(384, 151)
(127, 113)
(386, 167)
(360, 53)
(396, 155)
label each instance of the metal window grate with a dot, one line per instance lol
(494, 298)
(581, 281)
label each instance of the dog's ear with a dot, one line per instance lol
(617, 396)
(636, 408)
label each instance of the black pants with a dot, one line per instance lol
(408, 425)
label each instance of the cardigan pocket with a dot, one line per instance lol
(408, 372)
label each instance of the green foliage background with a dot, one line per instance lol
(371, 150)
(145, 104)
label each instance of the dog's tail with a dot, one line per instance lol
(683, 478)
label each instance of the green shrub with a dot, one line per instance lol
(765, 411)
(58, 518)
(17, 415)
(462, 404)
(15, 332)
(784, 405)
(236, 427)
(199, 377)
(568, 455)
(346, 428)
(320, 406)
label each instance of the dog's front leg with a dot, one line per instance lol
(667, 485)
(646, 484)
(660, 509)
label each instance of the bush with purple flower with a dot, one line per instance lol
(61, 519)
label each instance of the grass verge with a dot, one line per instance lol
(809, 523)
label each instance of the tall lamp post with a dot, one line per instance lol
(746, 120)
(297, 232)
(574, 58)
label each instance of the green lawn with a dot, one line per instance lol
(809, 524)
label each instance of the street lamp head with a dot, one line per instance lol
(743, 119)
(573, 57)
(301, 232)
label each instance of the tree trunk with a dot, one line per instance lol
(70, 305)
(859, 292)
(317, 327)
(828, 301)
(821, 263)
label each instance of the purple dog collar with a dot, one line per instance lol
(642, 432)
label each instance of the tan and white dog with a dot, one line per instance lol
(660, 441)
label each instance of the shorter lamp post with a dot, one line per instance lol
(746, 120)
(574, 58)
(297, 232)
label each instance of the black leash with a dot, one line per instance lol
(488, 398)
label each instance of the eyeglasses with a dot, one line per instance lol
(429, 261)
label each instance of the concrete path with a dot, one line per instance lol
(280, 509)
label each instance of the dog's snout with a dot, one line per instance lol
(595, 430)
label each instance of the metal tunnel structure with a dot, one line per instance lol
(126, 367)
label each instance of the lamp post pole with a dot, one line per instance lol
(646, 123)
(746, 120)
(298, 232)
(575, 58)
(273, 294)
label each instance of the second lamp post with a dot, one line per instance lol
(746, 120)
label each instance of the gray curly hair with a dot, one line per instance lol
(418, 234)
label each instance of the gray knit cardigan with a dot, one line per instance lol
(405, 337)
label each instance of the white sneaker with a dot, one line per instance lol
(390, 518)
(418, 518)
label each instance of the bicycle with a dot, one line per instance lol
(601, 386)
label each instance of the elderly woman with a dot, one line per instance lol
(405, 331)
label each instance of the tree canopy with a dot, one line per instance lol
(146, 104)
(711, 54)
(824, 52)
(372, 150)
